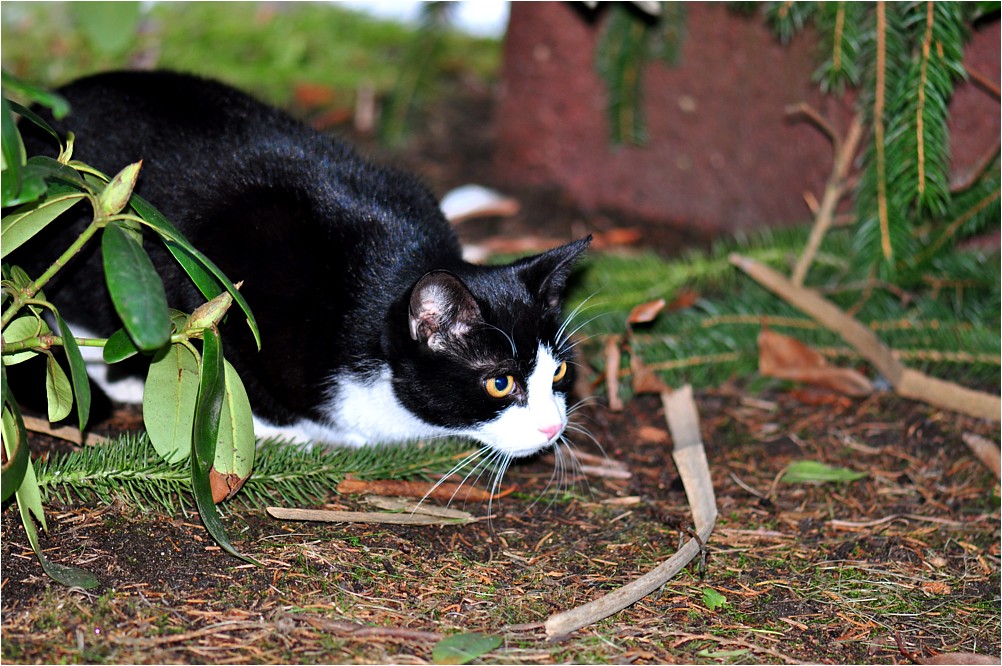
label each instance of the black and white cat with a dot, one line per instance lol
(373, 327)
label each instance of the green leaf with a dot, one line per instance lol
(57, 103)
(119, 347)
(169, 400)
(15, 442)
(13, 156)
(32, 117)
(721, 654)
(211, 391)
(64, 175)
(29, 502)
(136, 290)
(61, 573)
(206, 275)
(58, 390)
(463, 648)
(116, 194)
(235, 447)
(812, 471)
(22, 328)
(28, 496)
(78, 371)
(713, 599)
(21, 225)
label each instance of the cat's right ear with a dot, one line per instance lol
(441, 308)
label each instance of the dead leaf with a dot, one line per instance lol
(652, 435)
(447, 491)
(472, 201)
(616, 237)
(685, 298)
(332, 118)
(612, 358)
(787, 358)
(646, 312)
(224, 486)
(313, 95)
(936, 587)
(819, 397)
(645, 380)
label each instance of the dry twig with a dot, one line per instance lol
(907, 383)
(690, 458)
(836, 187)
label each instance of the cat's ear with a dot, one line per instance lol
(441, 308)
(546, 274)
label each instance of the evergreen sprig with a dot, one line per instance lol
(129, 469)
(839, 27)
(943, 320)
(903, 60)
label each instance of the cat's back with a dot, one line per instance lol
(183, 124)
(210, 151)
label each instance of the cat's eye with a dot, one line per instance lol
(561, 372)
(500, 387)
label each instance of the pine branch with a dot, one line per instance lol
(129, 469)
(716, 338)
(838, 25)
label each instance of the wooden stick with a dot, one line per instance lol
(907, 383)
(690, 459)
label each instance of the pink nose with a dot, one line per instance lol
(551, 431)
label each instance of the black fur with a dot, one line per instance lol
(329, 248)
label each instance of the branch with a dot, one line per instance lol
(907, 383)
(690, 459)
(983, 82)
(835, 188)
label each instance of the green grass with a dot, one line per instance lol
(266, 48)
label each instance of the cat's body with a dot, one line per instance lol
(373, 327)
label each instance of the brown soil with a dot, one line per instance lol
(906, 559)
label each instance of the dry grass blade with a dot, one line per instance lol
(690, 458)
(323, 516)
(420, 489)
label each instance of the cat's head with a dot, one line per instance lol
(486, 353)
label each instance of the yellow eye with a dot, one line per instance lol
(561, 372)
(500, 387)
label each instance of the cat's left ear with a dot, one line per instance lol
(441, 308)
(546, 274)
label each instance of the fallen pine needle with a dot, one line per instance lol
(690, 459)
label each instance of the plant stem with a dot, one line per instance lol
(21, 297)
(50, 340)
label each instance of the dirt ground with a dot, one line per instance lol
(901, 564)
